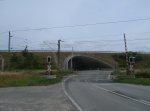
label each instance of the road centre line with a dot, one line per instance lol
(122, 95)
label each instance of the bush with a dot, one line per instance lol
(121, 58)
(25, 61)
(142, 74)
(121, 75)
(117, 74)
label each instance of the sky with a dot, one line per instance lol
(85, 25)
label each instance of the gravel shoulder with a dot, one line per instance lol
(36, 98)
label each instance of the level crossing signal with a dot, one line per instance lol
(49, 59)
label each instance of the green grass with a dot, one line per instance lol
(29, 79)
(143, 73)
(142, 81)
(141, 77)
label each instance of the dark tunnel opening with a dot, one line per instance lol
(86, 63)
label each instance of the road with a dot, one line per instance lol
(35, 98)
(92, 91)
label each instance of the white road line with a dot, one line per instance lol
(106, 84)
(140, 101)
(71, 99)
(146, 101)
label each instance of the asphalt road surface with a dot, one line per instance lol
(35, 98)
(92, 91)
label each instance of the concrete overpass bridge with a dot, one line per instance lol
(86, 60)
(80, 60)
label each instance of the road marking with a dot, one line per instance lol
(122, 95)
(71, 99)
(105, 84)
(146, 101)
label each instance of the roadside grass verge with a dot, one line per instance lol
(141, 77)
(141, 81)
(142, 73)
(29, 78)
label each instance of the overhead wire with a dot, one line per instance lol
(80, 25)
(84, 25)
(109, 40)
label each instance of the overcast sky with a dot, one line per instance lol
(52, 16)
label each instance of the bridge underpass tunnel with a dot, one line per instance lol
(86, 63)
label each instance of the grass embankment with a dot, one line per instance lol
(29, 78)
(142, 81)
(141, 77)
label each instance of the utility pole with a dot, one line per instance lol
(72, 60)
(9, 42)
(58, 56)
(126, 52)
